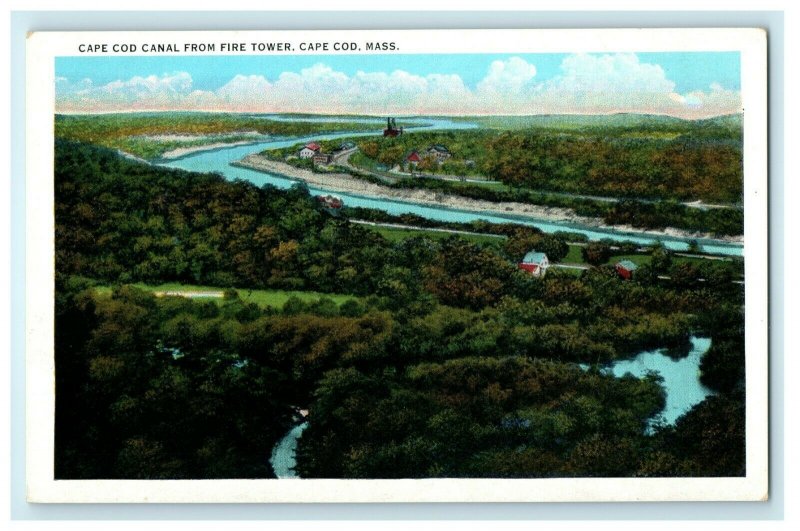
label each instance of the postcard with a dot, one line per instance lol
(397, 266)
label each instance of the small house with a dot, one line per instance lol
(535, 263)
(309, 150)
(346, 146)
(413, 158)
(440, 152)
(411, 161)
(625, 269)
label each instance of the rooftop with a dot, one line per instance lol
(534, 258)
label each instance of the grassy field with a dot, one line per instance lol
(263, 298)
(570, 272)
(574, 255)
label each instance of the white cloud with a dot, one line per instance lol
(611, 83)
(508, 77)
(717, 100)
(156, 92)
(604, 84)
(65, 86)
(242, 90)
(586, 84)
(616, 74)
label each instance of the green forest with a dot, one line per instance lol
(150, 135)
(678, 160)
(437, 358)
(626, 173)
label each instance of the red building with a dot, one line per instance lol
(391, 128)
(330, 201)
(625, 269)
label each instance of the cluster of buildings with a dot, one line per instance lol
(313, 151)
(536, 263)
(439, 153)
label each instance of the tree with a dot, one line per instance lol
(391, 155)
(596, 253)
(694, 247)
(645, 274)
(716, 274)
(684, 275)
(428, 163)
(722, 366)
(711, 436)
(370, 149)
(661, 259)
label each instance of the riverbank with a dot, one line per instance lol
(179, 153)
(133, 157)
(345, 183)
(189, 150)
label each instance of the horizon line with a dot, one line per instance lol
(407, 115)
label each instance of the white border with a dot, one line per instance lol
(42, 48)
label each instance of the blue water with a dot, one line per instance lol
(681, 382)
(283, 458)
(681, 377)
(218, 161)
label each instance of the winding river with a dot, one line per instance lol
(680, 376)
(283, 458)
(681, 382)
(219, 161)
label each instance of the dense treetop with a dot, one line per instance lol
(450, 362)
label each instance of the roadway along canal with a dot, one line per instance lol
(219, 161)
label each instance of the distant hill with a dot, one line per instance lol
(615, 121)
(729, 120)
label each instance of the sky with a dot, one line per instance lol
(683, 84)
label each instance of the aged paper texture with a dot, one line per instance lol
(397, 266)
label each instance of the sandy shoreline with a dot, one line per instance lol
(188, 150)
(133, 157)
(345, 183)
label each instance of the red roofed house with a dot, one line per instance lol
(309, 150)
(535, 263)
(625, 269)
(412, 160)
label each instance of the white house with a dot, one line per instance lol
(440, 152)
(535, 263)
(309, 150)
